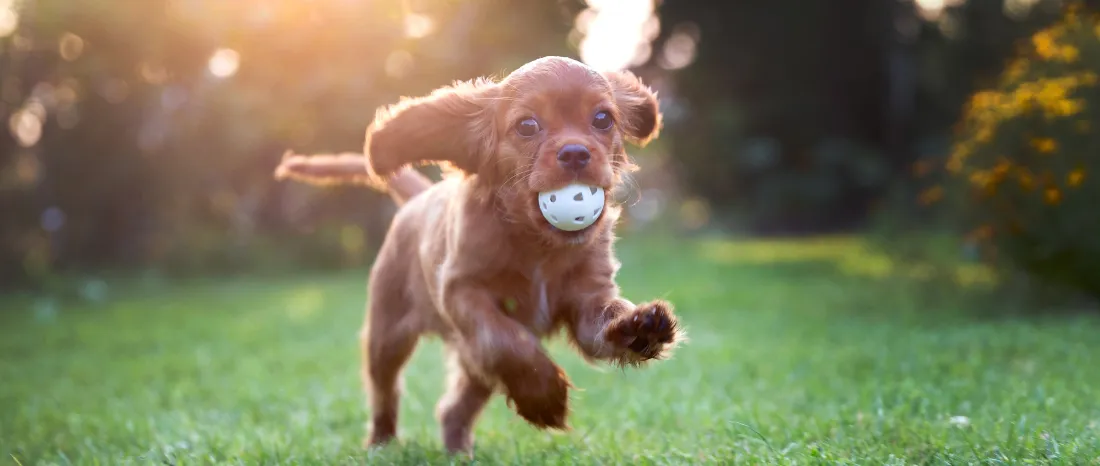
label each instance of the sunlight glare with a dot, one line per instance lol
(931, 10)
(616, 33)
(224, 63)
(9, 18)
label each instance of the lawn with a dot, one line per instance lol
(795, 357)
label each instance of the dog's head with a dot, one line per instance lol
(552, 122)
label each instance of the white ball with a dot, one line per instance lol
(572, 208)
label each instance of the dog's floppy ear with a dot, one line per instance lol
(452, 124)
(638, 107)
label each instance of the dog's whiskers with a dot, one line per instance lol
(518, 177)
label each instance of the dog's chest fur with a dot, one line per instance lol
(530, 296)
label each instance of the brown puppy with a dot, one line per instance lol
(472, 260)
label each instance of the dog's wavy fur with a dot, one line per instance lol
(471, 260)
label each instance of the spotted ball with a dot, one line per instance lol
(573, 207)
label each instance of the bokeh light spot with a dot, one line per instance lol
(26, 126)
(27, 169)
(418, 25)
(115, 91)
(1018, 9)
(68, 117)
(305, 303)
(948, 26)
(931, 10)
(52, 219)
(398, 64)
(22, 43)
(224, 63)
(649, 206)
(95, 290)
(680, 48)
(36, 108)
(352, 239)
(694, 213)
(71, 46)
(153, 73)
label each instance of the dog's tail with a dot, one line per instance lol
(351, 169)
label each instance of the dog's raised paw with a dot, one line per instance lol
(648, 331)
(539, 393)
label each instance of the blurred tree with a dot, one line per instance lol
(954, 51)
(143, 133)
(801, 115)
(784, 120)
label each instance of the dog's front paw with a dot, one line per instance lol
(539, 393)
(650, 331)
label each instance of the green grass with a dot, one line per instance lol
(793, 358)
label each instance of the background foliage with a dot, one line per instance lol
(1022, 168)
(146, 158)
(141, 135)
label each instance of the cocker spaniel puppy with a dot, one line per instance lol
(472, 260)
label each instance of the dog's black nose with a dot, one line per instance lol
(573, 157)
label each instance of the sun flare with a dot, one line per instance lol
(617, 33)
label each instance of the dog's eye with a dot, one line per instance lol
(527, 127)
(602, 120)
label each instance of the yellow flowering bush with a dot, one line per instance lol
(1026, 161)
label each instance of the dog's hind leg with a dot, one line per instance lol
(386, 343)
(460, 406)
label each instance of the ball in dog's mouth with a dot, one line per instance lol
(573, 207)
